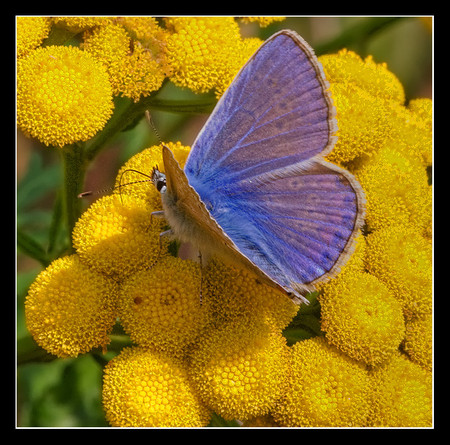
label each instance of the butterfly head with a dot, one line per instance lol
(159, 180)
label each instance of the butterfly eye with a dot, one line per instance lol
(159, 180)
(160, 184)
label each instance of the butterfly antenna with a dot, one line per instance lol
(110, 189)
(152, 125)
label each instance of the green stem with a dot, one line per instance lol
(122, 117)
(74, 169)
(127, 112)
(29, 352)
(200, 106)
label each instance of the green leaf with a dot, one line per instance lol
(219, 421)
(293, 335)
(39, 180)
(32, 248)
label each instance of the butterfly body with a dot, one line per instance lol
(256, 189)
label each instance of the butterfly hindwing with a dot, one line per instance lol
(297, 228)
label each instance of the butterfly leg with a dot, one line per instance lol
(158, 214)
(168, 233)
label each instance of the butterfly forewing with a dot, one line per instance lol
(276, 113)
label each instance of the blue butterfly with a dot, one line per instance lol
(256, 190)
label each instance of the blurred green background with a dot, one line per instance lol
(54, 392)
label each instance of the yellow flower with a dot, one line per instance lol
(205, 53)
(117, 236)
(423, 110)
(326, 388)
(143, 388)
(143, 163)
(147, 31)
(412, 129)
(396, 189)
(133, 70)
(31, 31)
(363, 125)
(262, 21)
(233, 293)
(77, 24)
(363, 93)
(402, 395)
(240, 369)
(161, 307)
(401, 258)
(109, 44)
(347, 67)
(354, 264)
(63, 95)
(361, 317)
(70, 309)
(419, 341)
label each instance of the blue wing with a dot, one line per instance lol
(276, 113)
(258, 169)
(296, 228)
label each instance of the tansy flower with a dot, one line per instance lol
(143, 388)
(363, 93)
(147, 31)
(205, 53)
(412, 129)
(423, 110)
(402, 395)
(354, 264)
(70, 309)
(401, 258)
(325, 389)
(232, 293)
(419, 341)
(139, 168)
(361, 317)
(63, 95)
(396, 189)
(109, 44)
(31, 31)
(77, 24)
(349, 68)
(133, 70)
(162, 307)
(363, 124)
(240, 369)
(262, 21)
(117, 236)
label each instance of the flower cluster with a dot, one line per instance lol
(206, 53)
(65, 92)
(210, 339)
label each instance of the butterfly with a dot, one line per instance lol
(256, 190)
